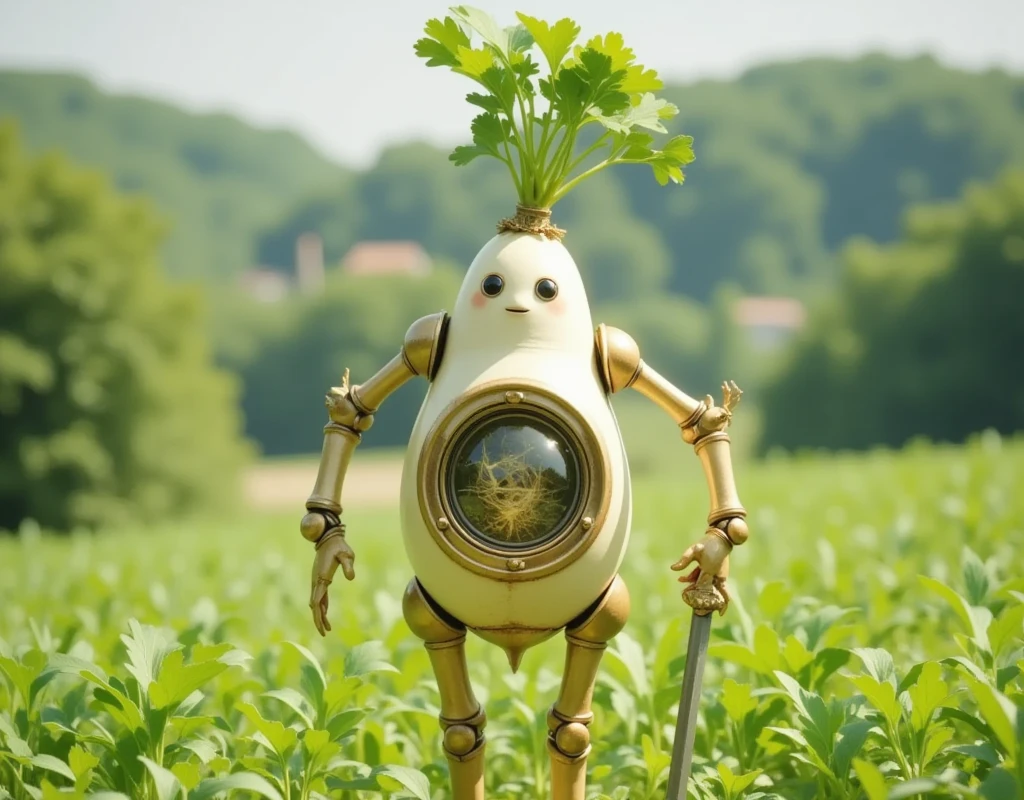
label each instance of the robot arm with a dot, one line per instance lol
(702, 424)
(351, 410)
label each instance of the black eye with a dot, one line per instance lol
(546, 289)
(492, 285)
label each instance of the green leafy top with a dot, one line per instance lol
(596, 83)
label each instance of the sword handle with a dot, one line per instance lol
(704, 598)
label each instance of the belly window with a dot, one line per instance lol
(514, 480)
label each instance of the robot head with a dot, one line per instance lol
(524, 290)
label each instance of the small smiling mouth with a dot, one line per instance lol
(516, 310)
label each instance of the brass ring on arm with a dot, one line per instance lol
(321, 579)
(721, 535)
(331, 534)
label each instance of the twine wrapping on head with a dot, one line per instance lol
(531, 220)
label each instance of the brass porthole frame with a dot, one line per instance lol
(468, 550)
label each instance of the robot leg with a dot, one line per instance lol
(462, 717)
(570, 716)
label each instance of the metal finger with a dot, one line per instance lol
(324, 605)
(689, 556)
(319, 592)
(723, 589)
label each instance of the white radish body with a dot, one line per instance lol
(551, 345)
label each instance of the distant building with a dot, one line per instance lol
(769, 321)
(386, 257)
(265, 284)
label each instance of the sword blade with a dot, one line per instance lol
(689, 701)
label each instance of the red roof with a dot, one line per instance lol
(774, 312)
(375, 258)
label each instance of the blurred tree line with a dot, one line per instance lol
(218, 180)
(924, 337)
(110, 409)
(793, 160)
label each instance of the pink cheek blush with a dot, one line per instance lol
(557, 306)
(479, 300)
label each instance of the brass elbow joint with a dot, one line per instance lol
(345, 407)
(709, 418)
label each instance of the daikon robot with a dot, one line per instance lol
(515, 492)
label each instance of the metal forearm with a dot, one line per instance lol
(351, 410)
(703, 425)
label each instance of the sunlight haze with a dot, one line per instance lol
(343, 74)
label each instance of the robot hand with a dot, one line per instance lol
(333, 551)
(707, 581)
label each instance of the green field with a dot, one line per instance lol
(873, 649)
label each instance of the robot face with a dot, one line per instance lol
(525, 289)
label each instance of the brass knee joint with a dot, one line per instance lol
(462, 738)
(569, 736)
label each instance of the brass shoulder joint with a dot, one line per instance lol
(424, 344)
(618, 358)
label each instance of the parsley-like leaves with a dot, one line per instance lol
(596, 83)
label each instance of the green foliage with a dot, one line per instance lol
(217, 179)
(873, 651)
(106, 391)
(924, 335)
(599, 82)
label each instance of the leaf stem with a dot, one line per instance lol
(558, 166)
(579, 178)
(898, 750)
(512, 169)
(592, 171)
(520, 147)
(595, 146)
(547, 167)
(528, 176)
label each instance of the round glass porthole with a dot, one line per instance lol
(514, 479)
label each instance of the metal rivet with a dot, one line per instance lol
(515, 564)
(587, 523)
(442, 523)
(513, 397)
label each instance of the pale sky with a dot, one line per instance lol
(343, 73)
